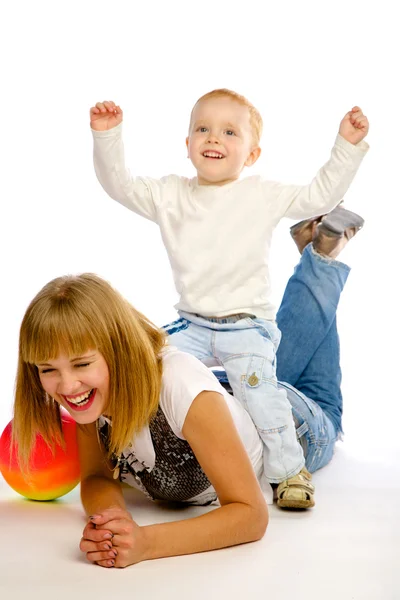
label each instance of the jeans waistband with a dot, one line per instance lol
(228, 319)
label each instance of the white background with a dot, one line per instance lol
(303, 64)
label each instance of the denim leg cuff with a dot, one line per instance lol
(327, 259)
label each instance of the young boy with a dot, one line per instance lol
(217, 231)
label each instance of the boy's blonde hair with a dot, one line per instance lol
(72, 315)
(256, 121)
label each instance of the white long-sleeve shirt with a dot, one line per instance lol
(218, 237)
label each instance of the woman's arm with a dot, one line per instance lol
(243, 515)
(98, 488)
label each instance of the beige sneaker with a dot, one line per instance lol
(296, 492)
(328, 233)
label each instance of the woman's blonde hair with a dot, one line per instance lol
(71, 315)
(256, 121)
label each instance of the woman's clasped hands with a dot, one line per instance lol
(113, 539)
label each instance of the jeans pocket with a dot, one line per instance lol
(255, 372)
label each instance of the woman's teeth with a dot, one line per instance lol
(81, 400)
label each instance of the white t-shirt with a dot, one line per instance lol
(184, 378)
(218, 237)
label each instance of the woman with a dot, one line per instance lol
(175, 434)
(155, 418)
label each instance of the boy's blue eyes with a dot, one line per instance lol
(227, 132)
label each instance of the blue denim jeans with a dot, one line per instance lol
(245, 347)
(308, 366)
(308, 356)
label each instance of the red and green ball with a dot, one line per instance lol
(50, 475)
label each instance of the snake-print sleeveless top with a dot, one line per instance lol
(176, 475)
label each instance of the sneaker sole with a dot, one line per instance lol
(339, 220)
(294, 504)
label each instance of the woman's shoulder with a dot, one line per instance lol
(172, 357)
(181, 369)
(184, 378)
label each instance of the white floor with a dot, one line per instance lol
(346, 547)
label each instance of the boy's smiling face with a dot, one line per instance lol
(221, 140)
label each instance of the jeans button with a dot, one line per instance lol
(253, 379)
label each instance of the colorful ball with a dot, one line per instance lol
(50, 475)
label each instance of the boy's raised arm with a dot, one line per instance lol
(333, 180)
(136, 193)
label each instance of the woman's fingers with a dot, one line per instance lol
(106, 563)
(108, 557)
(90, 546)
(123, 532)
(127, 544)
(110, 514)
(97, 535)
(99, 552)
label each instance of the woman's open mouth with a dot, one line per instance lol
(82, 402)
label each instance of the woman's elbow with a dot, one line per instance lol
(258, 521)
(263, 521)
